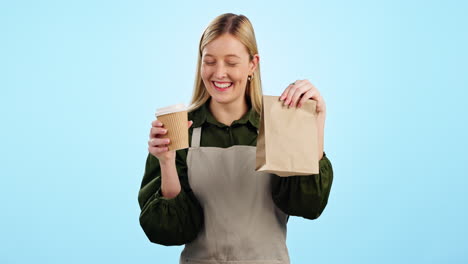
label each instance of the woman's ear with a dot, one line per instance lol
(253, 63)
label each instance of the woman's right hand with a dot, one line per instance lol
(158, 144)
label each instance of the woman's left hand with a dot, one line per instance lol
(292, 95)
(299, 92)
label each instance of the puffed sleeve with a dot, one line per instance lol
(168, 221)
(304, 196)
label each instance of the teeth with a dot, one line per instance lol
(222, 85)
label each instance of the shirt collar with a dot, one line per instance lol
(203, 114)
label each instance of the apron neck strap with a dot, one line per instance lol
(196, 134)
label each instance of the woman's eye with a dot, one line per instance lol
(212, 63)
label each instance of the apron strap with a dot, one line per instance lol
(196, 137)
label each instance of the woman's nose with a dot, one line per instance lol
(220, 71)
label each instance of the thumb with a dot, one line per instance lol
(190, 123)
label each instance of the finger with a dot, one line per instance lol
(190, 123)
(156, 123)
(158, 142)
(155, 131)
(297, 82)
(158, 150)
(291, 91)
(305, 97)
(297, 94)
(288, 91)
(285, 92)
(288, 95)
(321, 107)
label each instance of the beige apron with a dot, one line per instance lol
(242, 224)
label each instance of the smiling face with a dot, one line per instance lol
(225, 68)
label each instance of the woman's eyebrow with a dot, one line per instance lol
(228, 55)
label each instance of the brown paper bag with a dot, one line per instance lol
(287, 143)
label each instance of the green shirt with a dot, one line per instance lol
(177, 221)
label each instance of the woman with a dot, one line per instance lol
(209, 197)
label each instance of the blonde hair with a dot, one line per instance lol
(240, 27)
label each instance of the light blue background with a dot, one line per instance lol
(80, 82)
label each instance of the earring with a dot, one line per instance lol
(250, 77)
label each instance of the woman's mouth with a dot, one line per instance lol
(221, 86)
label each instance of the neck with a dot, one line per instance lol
(228, 113)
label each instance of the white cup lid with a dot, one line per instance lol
(171, 109)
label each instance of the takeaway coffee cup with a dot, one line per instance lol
(175, 119)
